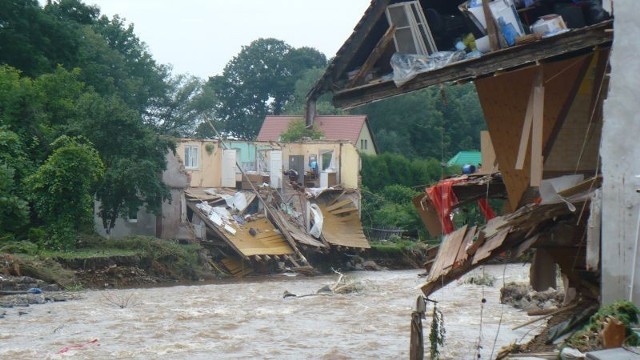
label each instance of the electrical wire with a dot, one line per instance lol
(495, 340)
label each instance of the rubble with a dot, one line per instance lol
(522, 296)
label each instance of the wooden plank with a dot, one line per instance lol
(342, 211)
(491, 244)
(339, 205)
(505, 59)
(428, 214)
(492, 29)
(526, 132)
(466, 243)
(537, 133)
(489, 163)
(476, 244)
(378, 50)
(447, 252)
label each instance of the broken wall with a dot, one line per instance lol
(620, 154)
(346, 158)
(172, 223)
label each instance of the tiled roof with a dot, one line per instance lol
(337, 127)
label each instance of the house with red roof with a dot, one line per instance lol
(352, 128)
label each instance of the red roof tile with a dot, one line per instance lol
(336, 127)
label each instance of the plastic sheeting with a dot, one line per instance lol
(237, 202)
(316, 213)
(407, 66)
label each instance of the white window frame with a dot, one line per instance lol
(191, 157)
(423, 41)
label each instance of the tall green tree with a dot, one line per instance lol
(303, 85)
(260, 80)
(62, 189)
(433, 122)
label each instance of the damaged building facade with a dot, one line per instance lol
(259, 206)
(542, 71)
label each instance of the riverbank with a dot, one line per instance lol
(99, 263)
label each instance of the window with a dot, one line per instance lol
(365, 144)
(361, 144)
(326, 158)
(191, 158)
(413, 35)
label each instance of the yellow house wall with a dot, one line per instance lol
(365, 135)
(207, 174)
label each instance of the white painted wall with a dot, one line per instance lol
(620, 152)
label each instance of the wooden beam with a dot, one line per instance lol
(511, 58)
(526, 131)
(537, 131)
(375, 55)
(350, 48)
(492, 29)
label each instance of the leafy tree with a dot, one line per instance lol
(297, 130)
(430, 123)
(303, 85)
(185, 105)
(63, 187)
(133, 154)
(14, 211)
(259, 81)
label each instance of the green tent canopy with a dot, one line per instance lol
(466, 158)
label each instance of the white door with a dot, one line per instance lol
(275, 168)
(229, 168)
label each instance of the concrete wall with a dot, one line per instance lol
(620, 152)
(172, 224)
(145, 224)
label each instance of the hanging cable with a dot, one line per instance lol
(495, 340)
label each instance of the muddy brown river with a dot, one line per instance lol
(249, 319)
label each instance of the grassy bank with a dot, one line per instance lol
(400, 253)
(97, 261)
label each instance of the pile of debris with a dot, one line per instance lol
(522, 296)
(343, 285)
(271, 230)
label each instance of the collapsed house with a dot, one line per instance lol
(267, 212)
(541, 71)
(256, 212)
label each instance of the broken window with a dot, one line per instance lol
(191, 159)
(412, 35)
(326, 158)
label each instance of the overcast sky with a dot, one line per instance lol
(200, 36)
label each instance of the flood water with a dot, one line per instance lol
(249, 319)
